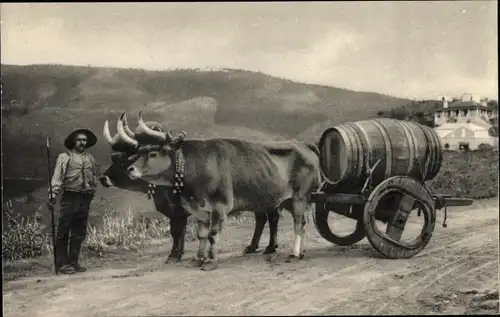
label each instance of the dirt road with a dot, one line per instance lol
(449, 276)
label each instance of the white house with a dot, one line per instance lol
(465, 122)
(456, 136)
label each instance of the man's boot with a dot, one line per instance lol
(61, 252)
(78, 268)
(74, 254)
(66, 269)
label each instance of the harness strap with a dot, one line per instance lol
(179, 171)
(178, 181)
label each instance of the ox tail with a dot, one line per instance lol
(319, 179)
(313, 147)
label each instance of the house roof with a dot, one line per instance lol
(458, 105)
(454, 126)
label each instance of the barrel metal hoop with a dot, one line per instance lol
(431, 159)
(388, 147)
(439, 153)
(411, 146)
(357, 150)
(349, 151)
(368, 145)
(320, 145)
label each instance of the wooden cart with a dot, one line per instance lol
(374, 196)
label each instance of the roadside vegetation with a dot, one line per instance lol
(471, 174)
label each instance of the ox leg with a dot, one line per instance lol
(178, 232)
(202, 233)
(260, 222)
(182, 237)
(273, 218)
(218, 217)
(214, 239)
(299, 221)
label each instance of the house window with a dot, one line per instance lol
(446, 146)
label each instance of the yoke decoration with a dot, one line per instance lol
(178, 158)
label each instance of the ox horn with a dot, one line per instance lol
(126, 128)
(107, 134)
(123, 135)
(157, 134)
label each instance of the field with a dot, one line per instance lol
(128, 240)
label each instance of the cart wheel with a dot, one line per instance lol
(320, 218)
(411, 195)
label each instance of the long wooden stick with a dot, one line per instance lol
(51, 207)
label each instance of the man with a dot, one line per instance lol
(75, 176)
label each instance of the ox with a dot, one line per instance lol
(116, 175)
(223, 175)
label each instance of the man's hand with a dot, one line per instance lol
(52, 199)
(52, 202)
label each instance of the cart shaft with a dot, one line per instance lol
(448, 201)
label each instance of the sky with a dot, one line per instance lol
(415, 49)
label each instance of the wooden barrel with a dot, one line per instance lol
(347, 151)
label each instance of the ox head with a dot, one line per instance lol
(143, 155)
(125, 145)
(116, 174)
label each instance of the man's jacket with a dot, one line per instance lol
(75, 172)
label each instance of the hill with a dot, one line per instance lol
(51, 100)
(40, 101)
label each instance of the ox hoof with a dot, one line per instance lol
(270, 250)
(173, 259)
(197, 262)
(294, 259)
(250, 250)
(209, 265)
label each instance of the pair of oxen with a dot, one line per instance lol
(212, 178)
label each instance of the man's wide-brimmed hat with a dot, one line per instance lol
(91, 138)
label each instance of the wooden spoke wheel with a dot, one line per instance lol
(320, 218)
(392, 201)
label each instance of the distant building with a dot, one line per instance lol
(468, 109)
(464, 123)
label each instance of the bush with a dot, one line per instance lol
(22, 236)
(26, 237)
(467, 174)
(125, 232)
(484, 147)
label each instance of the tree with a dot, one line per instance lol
(484, 147)
(493, 104)
(493, 131)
